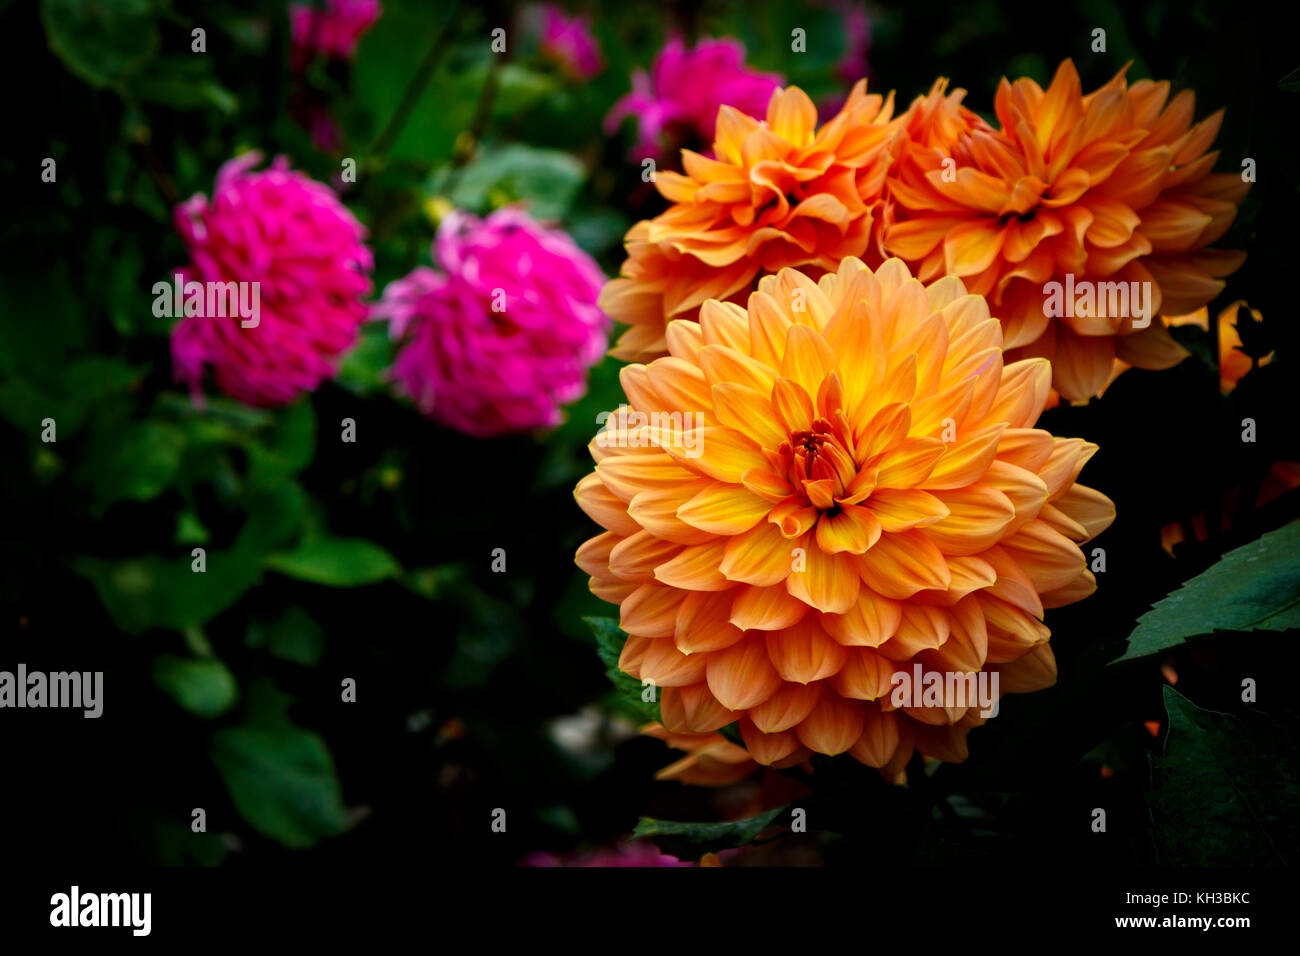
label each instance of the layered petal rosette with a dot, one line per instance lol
(839, 483)
(780, 193)
(1109, 187)
(293, 239)
(505, 335)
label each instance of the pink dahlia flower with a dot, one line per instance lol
(569, 42)
(856, 27)
(304, 250)
(331, 29)
(505, 334)
(685, 88)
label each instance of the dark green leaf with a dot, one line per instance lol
(690, 841)
(205, 688)
(288, 446)
(100, 42)
(184, 83)
(152, 591)
(136, 465)
(1254, 588)
(336, 562)
(282, 782)
(1224, 792)
(610, 639)
(293, 636)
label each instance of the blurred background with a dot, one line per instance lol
(372, 561)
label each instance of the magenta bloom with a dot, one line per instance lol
(505, 334)
(332, 29)
(853, 66)
(630, 854)
(304, 250)
(685, 89)
(568, 41)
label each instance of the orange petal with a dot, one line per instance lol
(869, 623)
(787, 707)
(765, 609)
(827, 582)
(702, 623)
(693, 710)
(761, 556)
(804, 653)
(724, 509)
(742, 676)
(834, 725)
(901, 564)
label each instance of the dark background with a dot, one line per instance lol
(461, 671)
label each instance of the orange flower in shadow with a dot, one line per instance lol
(780, 193)
(1113, 186)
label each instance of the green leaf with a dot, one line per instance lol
(519, 88)
(44, 321)
(364, 369)
(152, 591)
(282, 781)
(287, 448)
(690, 841)
(293, 636)
(205, 688)
(136, 465)
(99, 41)
(610, 639)
(547, 180)
(1290, 82)
(336, 562)
(1253, 588)
(183, 82)
(1225, 790)
(175, 844)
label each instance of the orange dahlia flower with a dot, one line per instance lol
(839, 483)
(1114, 186)
(780, 193)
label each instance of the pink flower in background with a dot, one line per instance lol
(853, 66)
(304, 249)
(630, 854)
(855, 26)
(569, 42)
(331, 29)
(505, 334)
(685, 88)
